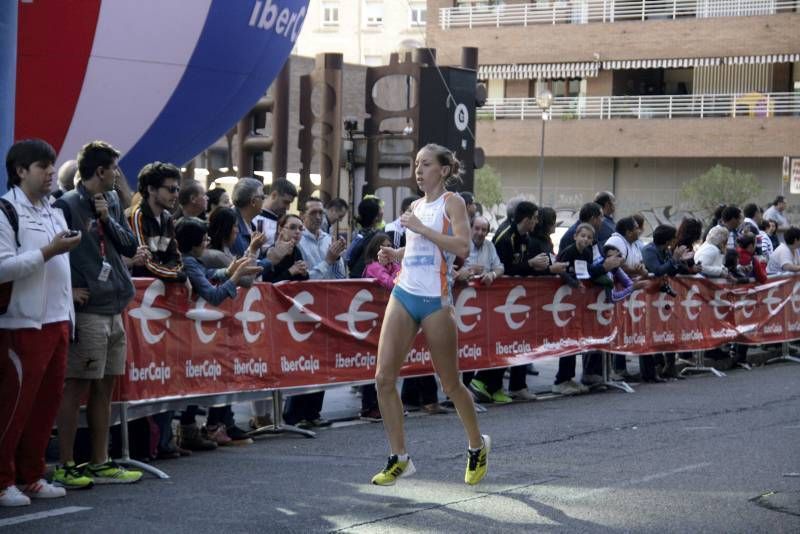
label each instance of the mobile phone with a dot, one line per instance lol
(72, 233)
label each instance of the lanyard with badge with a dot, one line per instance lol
(105, 267)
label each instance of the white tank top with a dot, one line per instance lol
(427, 270)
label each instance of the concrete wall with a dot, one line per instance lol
(640, 183)
(680, 138)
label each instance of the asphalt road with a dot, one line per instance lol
(704, 454)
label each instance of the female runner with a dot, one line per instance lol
(436, 232)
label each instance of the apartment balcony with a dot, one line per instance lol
(606, 11)
(647, 107)
(592, 30)
(708, 125)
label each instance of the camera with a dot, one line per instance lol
(666, 288)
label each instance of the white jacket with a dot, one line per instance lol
(712, 260)
(26, 265)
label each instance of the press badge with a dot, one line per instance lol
(105, 270)
(581, 270)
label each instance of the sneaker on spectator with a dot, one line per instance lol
(260, 421)
(41, 489)
(238, 436)
(624, 376)
(191, 438)
(217, 434)
(319, 422)
(70, 477)
(501, 397)
(305, 424)
(12, 496)
(522, 395)
(111, 473)
(569, 387)
(373, 415)
(591, 380)
(480, 391)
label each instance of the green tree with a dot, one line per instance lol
(487, 186)
(721, 185)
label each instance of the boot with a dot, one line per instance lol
(193, 440)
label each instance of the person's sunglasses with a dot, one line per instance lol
(172, 188)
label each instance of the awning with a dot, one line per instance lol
(533, 71)
(677, 63)
(589, 69)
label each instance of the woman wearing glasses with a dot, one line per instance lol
(291, 266)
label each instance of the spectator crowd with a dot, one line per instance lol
(67, 258)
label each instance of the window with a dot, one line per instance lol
(373, 14)
(330, 14)
(417, 15)
(496, 89)
(373, 60)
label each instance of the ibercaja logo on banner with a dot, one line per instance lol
(208, 369)
(158, 372)
(153, 320)
(514, 316)
(357, 353)
(299, 361)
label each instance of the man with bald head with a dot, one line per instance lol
(66, 178)
(483, 261)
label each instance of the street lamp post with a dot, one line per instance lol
(544, 100)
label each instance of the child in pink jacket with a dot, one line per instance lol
(385, 272)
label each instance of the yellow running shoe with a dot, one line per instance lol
(394, 469)
(70, 477)
(478, 462)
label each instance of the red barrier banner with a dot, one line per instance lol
(317, 333)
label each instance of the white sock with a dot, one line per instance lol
(479, 448)
(402, 457)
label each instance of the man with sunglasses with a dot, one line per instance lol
(153, 226)
(151, 221)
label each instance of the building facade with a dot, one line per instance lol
(647, 95)
(364, 31)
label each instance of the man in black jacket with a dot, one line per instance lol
(512, 246)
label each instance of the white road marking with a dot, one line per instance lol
(285, 511)
(633, 482)
(42, 515)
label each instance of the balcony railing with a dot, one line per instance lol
(585, 11)
(648, 107)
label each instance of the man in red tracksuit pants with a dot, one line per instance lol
(35, 321)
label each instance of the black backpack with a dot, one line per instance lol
(13, 219)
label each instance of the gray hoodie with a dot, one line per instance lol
(113, 295)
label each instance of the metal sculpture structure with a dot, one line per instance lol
(320, 135)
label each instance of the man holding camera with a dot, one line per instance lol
(102, 288)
